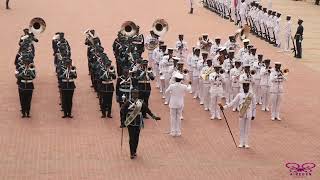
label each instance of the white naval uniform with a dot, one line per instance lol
(177, 92)
(195, 75)
(257, 78)
(245, 121)
(277, 31)
(287, 36)
(228, 44)
(201, 64)
(265, 88)
(276, 91)
(216, 93)
(213, 50)
(166, 68)
(235, 77)
(242, 12)
(182, 53)
(206, 87)
(157, 55)
(149, 38)
(227, 89)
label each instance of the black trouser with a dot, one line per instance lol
(25, 100)
(67, 96)
(134, 132)
(106, 105)
(144, 95)
(317, 2)
(7, 3)
(299, 48)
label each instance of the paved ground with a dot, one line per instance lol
(87, 147)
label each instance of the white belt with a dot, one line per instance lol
(143, 81)
(67, 80)
(107, 82)
(26, 81)
(124, 90)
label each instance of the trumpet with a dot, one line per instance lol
(73, 69)
(285, 71)
(253, 72)
(31, 67)
(221, 71)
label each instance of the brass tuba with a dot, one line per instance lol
(129, 29)
(160, 27)
(37, 26)
(242, 33)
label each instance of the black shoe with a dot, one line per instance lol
(8, 7)
(132, 157)
(135, 154)
(145, 117)
(122, 126)
(70, 116)
(65, 116)
(103, 116)
(23, 116)
(109, 116)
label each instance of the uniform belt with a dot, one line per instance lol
(143, 81)
(26, 81)
(124, 90)
(106, 82)
(67, 80)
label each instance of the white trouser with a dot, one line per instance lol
(265, 93)
(162, 87)
(215, 100)
(287, 38)
(195, 86)
(270, 29)
(206, 95)
(277, 33)
(243, 19)
(166, 85)
(245, 124)
(257, 90)
(156, 71)
(235, 91)
(175, 115)
(275, 104)
(227, 90)
(201, 90)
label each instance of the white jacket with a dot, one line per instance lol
(240, 98)
(276, 82)
(177, 92)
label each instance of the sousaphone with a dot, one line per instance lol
(129, 29)
(37, 26)
(160, 27)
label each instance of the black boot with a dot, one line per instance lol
(103, 114)
(191, 11)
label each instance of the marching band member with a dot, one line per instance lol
(131, 117)
(227, 65)
(231, 44)
(181, 47)
(216, 91)
(177, 92)
(247, 76)
(106, 89)
(201, 64)
(257, 78)
(166, 68)
(277, 77)
(124, 85)
(247, 102)
(215, 47)
(253, 57)
(144, 76)
(151, 39)
(235, 75)
(25, 76)
(205, 73)
(204, 43)
(244, 49)
(157, 55)
(195, 72)
(242, 12)
(265, 84)
(67, 87)
(189, 62)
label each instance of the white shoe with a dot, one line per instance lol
(240, 146)
(273, 118)
(194, 97)
(163, 97)
(181, 118)
(157, 86)
(206, 109)
(190, 92)
(161, 91)
(165, 103)
(246, 146)
(278, 118)
(212, 117)
(219, 118)
(260, 103)
(234, 109)
(267, 109)
(201, 103)
(178, 134)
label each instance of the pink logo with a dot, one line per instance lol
(300, 170)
